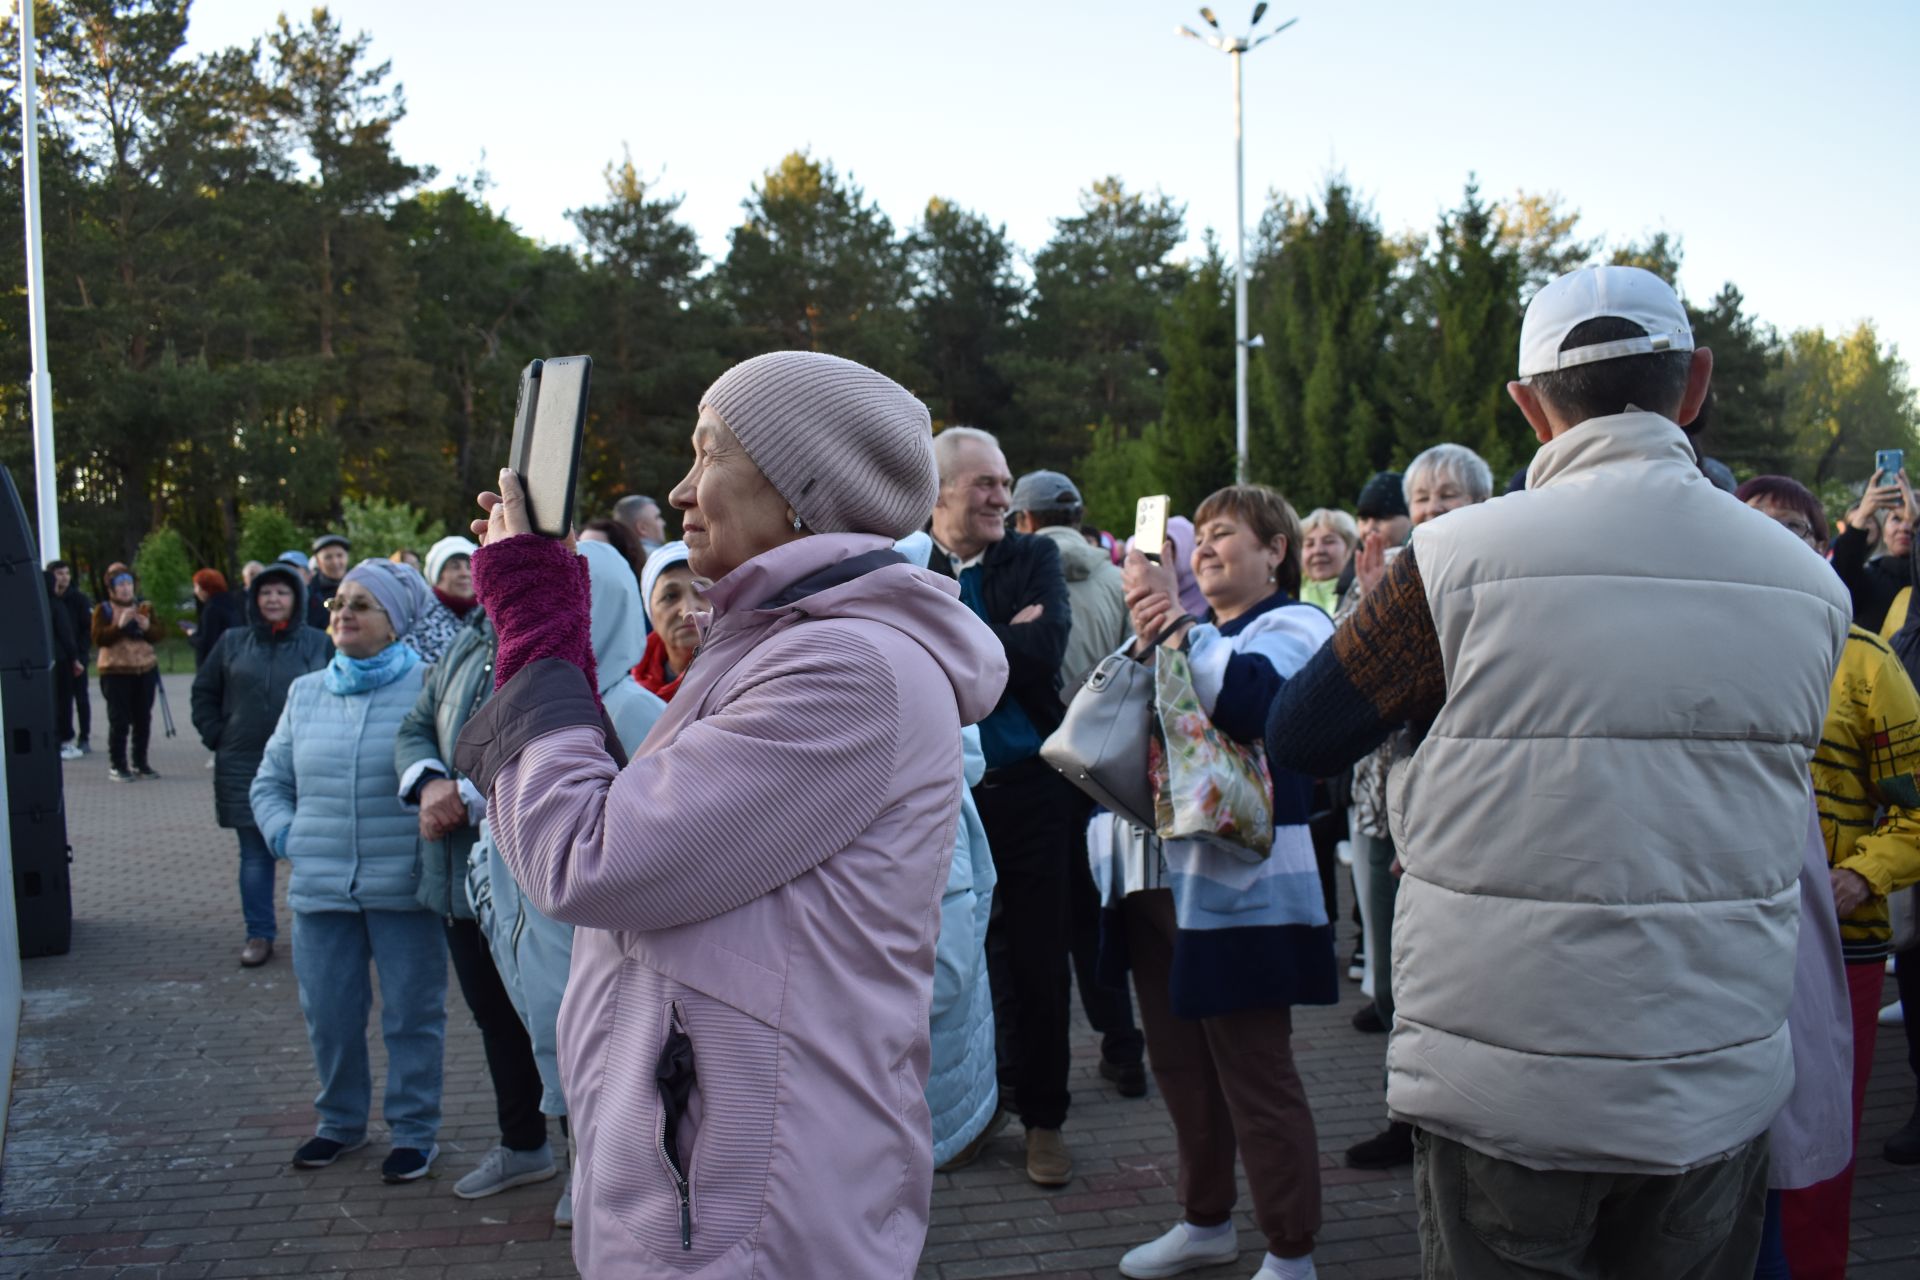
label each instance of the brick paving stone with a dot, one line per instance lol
(161, 1089)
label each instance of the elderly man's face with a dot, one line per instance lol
(649, 525)
(971, 511)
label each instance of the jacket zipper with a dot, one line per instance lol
(680, 1184)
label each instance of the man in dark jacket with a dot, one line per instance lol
(1015, 583)
(332, 557)
(70, 610)
(237, 696)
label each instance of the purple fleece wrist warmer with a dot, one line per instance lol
(537, 593)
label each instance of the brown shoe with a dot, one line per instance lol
(256, 953)
(1048, 1164)
(971, 1152)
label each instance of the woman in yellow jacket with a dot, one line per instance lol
(1869, 800)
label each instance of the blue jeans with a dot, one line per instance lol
(408, 950)
(1772, 1264)
(256, 884)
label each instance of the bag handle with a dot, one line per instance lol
(1170, 628)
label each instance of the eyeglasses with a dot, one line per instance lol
(339, 604)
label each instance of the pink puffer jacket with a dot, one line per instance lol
(765, 878)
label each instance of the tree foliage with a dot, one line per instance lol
(263, 318)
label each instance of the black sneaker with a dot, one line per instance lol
(1129, 1078)
(145, 771)
(1388, 1150)
(318, 1153)
(116, 774)
(1903, 1144)
(404, 1164)
(1367, 1019)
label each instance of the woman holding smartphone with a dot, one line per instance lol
(1220, 959)
(756, 893)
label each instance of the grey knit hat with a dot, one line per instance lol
(850, 450)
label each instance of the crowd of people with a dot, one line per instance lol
(754, 871)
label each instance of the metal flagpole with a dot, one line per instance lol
(46, 470)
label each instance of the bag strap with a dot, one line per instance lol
(1170, 628)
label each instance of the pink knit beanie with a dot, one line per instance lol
(850, 450)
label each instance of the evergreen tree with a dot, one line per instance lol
(1744, 425)
(1091, 354)
(966, 313)
(1473, 287)
(657, 335)
(1323, 276)
(1191, 449)
(816, 267)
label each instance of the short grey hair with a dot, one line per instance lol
(628, 509)
(946, 447)
(1456, 462)
(1332, 518)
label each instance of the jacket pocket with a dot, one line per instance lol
(684, 1128)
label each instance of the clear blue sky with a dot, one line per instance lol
(1778, 140)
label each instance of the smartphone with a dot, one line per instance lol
(548, 423)
(1889, 461)
(1150, 526)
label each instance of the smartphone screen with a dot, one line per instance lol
(1150, 526)
(547, 429)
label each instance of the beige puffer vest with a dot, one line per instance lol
(1593, 949)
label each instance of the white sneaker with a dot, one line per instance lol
(1286, 1269)
(1177, 1251)
(71, 752)
(1893, 1015)
(503, 1168)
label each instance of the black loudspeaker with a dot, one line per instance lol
(36, 794)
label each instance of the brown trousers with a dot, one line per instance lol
(1230, 1084)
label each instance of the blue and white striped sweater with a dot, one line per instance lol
(1252, 934)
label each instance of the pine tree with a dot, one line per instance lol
(966, 313)
(1322, 275)
(1473, 287)
(816, 267)
(1191, 449)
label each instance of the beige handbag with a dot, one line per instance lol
(1101, 746)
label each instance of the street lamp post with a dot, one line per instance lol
(1234, 47)
(46, 474)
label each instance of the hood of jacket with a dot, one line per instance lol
(861, 576)
(619, 636)
(277, 572)
(1079, 559)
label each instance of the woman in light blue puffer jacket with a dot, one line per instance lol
(963, 1090)
(326, 799)
(962, 1086)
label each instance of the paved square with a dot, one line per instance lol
(161, 1090)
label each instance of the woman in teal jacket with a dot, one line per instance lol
(327, 800)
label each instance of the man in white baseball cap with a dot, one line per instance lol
(1602, 827)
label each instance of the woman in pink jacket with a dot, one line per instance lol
(744, 1037)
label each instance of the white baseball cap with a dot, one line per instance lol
(1628, 293)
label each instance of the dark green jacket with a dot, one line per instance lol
(457, 686)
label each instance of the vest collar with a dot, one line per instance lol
(1636, 436)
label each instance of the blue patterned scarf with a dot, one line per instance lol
(363, 675)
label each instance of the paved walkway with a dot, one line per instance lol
(161, 1090)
